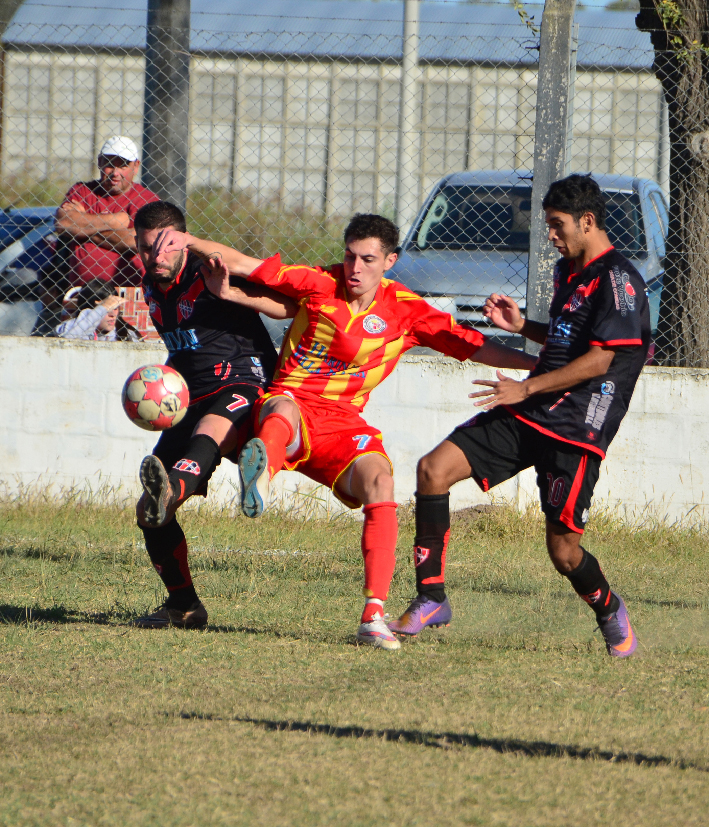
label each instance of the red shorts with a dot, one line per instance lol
(332, 439)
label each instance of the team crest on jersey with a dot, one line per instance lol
(420, 555)
(185, 304)
(373, 324)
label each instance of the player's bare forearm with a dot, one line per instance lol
(120, 241)
(507, 391)
(499, 356)
(263, 300)
(254, 296)
(238, 263)
(536, 331)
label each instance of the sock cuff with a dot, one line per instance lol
(208, 439)
(289, 427)
(371, 506)
(432, 497)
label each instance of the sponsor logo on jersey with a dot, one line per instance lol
(623, 291)
(177, 340)
(608, 388)
(373, 324)
(598, 410)
(155, 312)
(318, 362)
(559, 332)
(420, 555)
(187, 466)
(222, 370)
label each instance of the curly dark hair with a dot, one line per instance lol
(92, 292)
(160, 214)
(366, 225)
(576, 195)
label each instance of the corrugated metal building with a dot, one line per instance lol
(304, 107)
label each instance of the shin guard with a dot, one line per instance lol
(276, 433)
(589, 582)
(379, 535)
(431, 543)
(194, 470)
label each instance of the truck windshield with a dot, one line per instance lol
(498, 218)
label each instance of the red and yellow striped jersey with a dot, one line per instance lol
(332, 353)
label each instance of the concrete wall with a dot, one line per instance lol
(63, 426)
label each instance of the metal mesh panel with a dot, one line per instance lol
(285, 144)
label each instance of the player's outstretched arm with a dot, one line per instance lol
(239, 264)
(504, 313)
(507, 391)
(500, 356)
(257, 297)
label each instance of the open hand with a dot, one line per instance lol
(170, 241)
(216, 277)
(503, 312)
(505, 391)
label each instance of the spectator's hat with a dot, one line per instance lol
(122, 147)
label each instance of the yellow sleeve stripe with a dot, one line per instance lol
(407, 297)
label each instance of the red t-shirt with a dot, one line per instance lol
(88, 260)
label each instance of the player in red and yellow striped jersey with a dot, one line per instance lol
(352, 327)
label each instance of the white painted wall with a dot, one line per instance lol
(63, 425)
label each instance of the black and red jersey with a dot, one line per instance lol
(213, 343)
(603, 304)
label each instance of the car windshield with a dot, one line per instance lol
(498, 218)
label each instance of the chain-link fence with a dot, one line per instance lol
(293, 127)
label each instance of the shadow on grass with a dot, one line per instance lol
(447, 740)
(21, 615)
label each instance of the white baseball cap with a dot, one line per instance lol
(122, 147)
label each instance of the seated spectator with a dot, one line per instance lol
(96, 316)
(95, 220)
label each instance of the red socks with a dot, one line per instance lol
(276, 433)
(379, 551)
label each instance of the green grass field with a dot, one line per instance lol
(273, 716)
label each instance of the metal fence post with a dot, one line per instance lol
(167, 93)
(406, 173)
(550, 144)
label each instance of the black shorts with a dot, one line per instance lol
(234, 403)
(498, 446)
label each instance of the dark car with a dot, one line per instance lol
(27, 242)
(471, 238)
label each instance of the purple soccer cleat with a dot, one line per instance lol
(422, 612)
(617, 632)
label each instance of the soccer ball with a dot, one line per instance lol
(155, 397)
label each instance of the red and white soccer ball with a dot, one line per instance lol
(155, 397)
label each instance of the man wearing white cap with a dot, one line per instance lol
(98, 218)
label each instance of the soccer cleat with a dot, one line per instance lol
(194, 618)
(376, 633)
(617, 632)
(158, 500)
(422, 612)
(253, 469)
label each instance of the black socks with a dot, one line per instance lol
(167, 548)
(196, 467)
(590, 584)
(430, 545)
